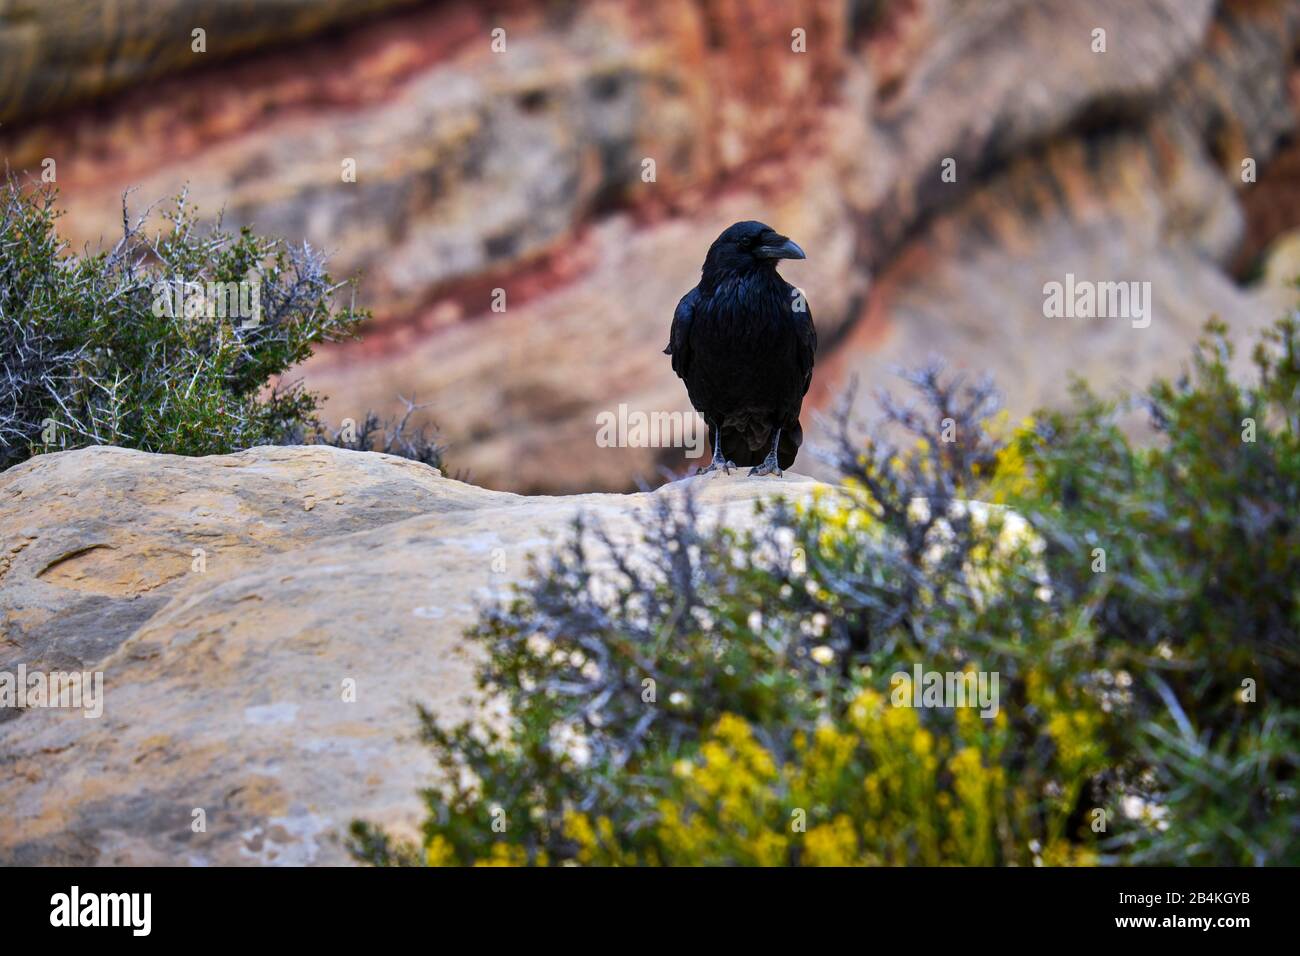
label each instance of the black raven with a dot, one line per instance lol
(743, 342)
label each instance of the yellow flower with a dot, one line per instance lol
(439, 852)
(505, 854)
(832, 844)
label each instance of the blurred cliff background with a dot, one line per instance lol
(1170, 157)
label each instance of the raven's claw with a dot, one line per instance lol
(770, 465)
(718, 461)
(716, 465)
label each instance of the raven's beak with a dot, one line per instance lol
(779, 247)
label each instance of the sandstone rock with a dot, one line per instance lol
(523, 172)
(94, 542)
(225, 692)
(55, 53)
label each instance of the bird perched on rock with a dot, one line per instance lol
(743, 342)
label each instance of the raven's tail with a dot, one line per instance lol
(736, 448)
(746, 448)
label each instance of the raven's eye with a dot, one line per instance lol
(746, 241)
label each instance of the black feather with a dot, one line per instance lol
(743, 341)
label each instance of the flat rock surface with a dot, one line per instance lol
(224, 689)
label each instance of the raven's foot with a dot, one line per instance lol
(717, 464)
(768, 467)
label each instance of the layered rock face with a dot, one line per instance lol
(941, 161)
(272, 684)
(58, 53)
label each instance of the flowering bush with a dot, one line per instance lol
(1125, 629)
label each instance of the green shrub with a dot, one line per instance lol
(91, 354)
(737, 697)
(1201, 538)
